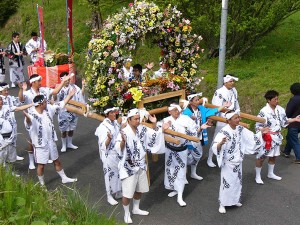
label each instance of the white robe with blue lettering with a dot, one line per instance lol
(239, 142)
(109, 155)
(176, 162)
(137, 145)
(275, 120)
(67, 121)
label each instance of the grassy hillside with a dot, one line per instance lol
(274, 62)
(26, 20)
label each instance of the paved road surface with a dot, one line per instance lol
(275, 202)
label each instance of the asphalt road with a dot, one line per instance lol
(275, 202)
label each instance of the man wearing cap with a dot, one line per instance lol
(199, 113)
(28, 96)
(67, 121)
(133, 143)
(8, 131)
(11, 101)
(224, 95)
(276, 118)
(230, 146)
(176, 155)
(39, 123)
(107, 133)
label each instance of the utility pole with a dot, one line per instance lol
(222, 47)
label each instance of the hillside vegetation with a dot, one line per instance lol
(273, 63)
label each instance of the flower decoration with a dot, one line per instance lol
(107, 51)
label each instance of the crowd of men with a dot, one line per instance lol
(123, 146)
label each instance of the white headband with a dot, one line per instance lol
(190, 97)
(4, 87)
(35, 79)
(71, 75)
(110, 109)
(128, 60)
(173, 106)
(229, 115)
(229, 77)
(39, 102)
(133, 112)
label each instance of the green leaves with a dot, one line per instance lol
(248, 21)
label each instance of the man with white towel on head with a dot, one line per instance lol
(227, 94)
(107, 133)
(176, 155)
(230, 146)
(133, 143)
(199, 113)
(27, 96)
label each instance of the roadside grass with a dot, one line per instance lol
(25, 203)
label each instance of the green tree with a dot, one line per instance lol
(7, 8)
(248, 21)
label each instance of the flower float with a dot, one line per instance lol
(173, 34)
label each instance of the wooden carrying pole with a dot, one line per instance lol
(216, 118)
(175, 133)
(101, 118)
(243, 115)
(207, 105)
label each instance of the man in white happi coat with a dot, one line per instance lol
(11, 101)
(33, 46)
(16, 62)
(230, 146)
(39, 123)
(67, 121)
(27, 96)
(176, 155)
(227, 94)
(107, 133)
(275, 119)
(8, 131)
(133, 142)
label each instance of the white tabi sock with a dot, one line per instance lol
(222, 209)
(110, 199)
(41, 180)
(20, 158)
(172, 194)
(31, 161)
(127, 218)
(136, 208)
(70, 144)
(209, 158)
(194, 174)
(271, 172)
(258, 176)
(179, 199)
(64, 177)
(63, 144)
